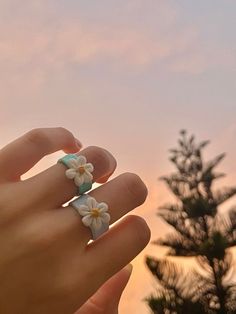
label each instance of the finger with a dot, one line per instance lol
(103, 179)
(22, 154)
(51, 188)
(122, 194)
(106, 299)
(101, 260)
(115, 249)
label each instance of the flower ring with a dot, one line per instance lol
(78, 170)
(94, 215)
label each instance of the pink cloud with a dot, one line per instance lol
(44, 47)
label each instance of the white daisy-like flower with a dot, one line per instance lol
(94, 214)
(80, 170)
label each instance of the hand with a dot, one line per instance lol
(46, 263)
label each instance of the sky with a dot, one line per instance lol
(127, 76)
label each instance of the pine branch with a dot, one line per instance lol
(223, 195)
(177, 292)
(231, 298)
(176, 219)
(199, 231)
(199, 206)
(178, 244)
(226, 225)
(210, 165)
(231, 231)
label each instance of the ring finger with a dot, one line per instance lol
(122, 194)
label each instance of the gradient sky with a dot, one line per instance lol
(125, 75)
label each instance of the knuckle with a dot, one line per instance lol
(36, 136)
(135, 187)
(95, 306)
(38, 233)
(101, 157)
(41, 240)
(44, 136)
(69, 137)
(10, 207)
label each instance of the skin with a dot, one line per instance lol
(106, 299)
(46, 263)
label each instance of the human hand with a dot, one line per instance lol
(46, 263)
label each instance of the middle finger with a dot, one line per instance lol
(64, 225)
(122, 194)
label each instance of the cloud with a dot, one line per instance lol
(43, 44)
(78, 43)
(39, 45)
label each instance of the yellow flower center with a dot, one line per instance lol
(95, 212)
(81, 170)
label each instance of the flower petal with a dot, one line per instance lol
(87, 177)
(87, 220)
(105, 217)
(72, 163)
(96, 223)
(81, 161)
(89, 167)
(70, 173)
(103, 207)
(91, 202)
(84, 210)
(79, 180)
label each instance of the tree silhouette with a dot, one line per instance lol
(200, 232)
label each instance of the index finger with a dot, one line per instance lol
(22, 154)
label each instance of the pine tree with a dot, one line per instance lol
(200, 231)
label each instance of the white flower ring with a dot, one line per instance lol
(94, 214)
(79, 170)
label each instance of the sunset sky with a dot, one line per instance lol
(127, 76)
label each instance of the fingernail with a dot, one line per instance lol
(78, 143)
(104, 179)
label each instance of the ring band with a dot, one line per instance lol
(94, 215)
(78, 170)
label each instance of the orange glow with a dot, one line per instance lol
(126, 76)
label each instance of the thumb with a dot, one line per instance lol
(106, 299)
